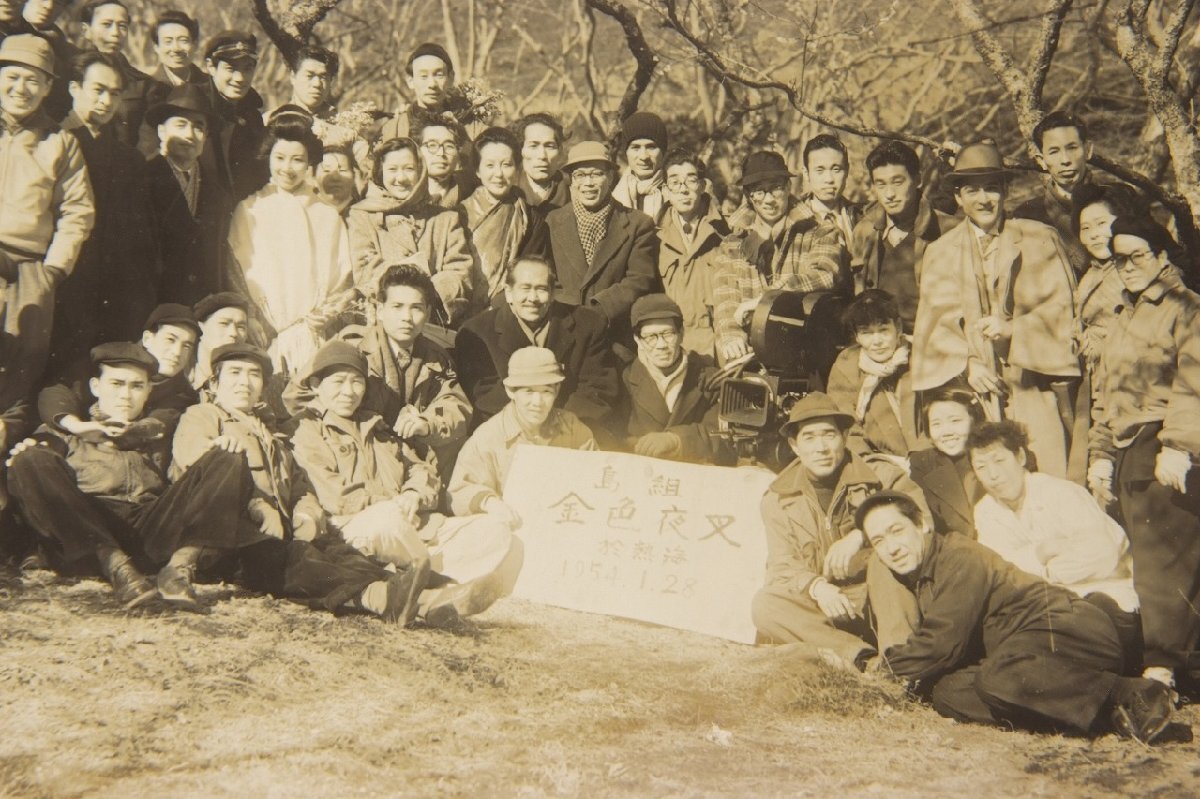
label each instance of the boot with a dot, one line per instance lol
(1141, 708)
(131, 587)
(175, 580)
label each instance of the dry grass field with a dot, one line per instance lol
(263, 698)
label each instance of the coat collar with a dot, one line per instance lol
(709, 224)
(794, 480)
(644, 391)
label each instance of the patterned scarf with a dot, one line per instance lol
(593, 226)
(874, 374)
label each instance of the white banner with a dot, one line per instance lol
(671, 543)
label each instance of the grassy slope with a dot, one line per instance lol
(264, 698)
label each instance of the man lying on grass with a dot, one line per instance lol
(994, 645)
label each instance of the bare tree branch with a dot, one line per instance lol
(722, 69)
(293, 27)
(1039, 68)
(1172, 34)
(647, 60)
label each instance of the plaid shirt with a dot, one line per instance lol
(809, 255)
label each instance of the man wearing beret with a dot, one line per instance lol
(237, 130)
(224, 318)
(278, 529)
(816, 555)
(671, 395)
(429, 74)
(644, 137)
(43, 223)
(190, 209)
(997, 309)
(102, 504)
(169, 336)
(383, 497)
(780, 241)
(531, 317)
(605, 255)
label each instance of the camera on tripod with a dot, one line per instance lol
(795, 338)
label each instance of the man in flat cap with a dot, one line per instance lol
(816, 555)
(224, 318)
(99, 506)
(997, 309)
(169, 336)
(605, 255)
(190, 207)
(43, 223)
(278, 533)
(237, 131)
(671, 395)
(383, 497)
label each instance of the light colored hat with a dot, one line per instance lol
(588, 152)
(533, 366)
(810, 408)
(29, 51)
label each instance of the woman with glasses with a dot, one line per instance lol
(496, 215)
(1146, 435)
(397, 224)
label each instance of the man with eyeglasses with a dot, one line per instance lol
(780, 241)
(530, 317)
(605, 255)
(670, 398)
(441, 143)
(691, 229)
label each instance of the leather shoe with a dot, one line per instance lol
(130, 585)
(403, 590)
(1141, 708)
(175, 587)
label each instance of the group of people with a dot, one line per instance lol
(246, 346)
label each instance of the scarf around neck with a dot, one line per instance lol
(593, 226)
(874, 374)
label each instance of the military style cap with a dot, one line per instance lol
(232, 46)
(125, 353)
(171, 313)
(241, 352)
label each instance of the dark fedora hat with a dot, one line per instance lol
(979, 160)
(186, 99)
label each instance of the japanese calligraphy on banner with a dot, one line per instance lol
(671, 543)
